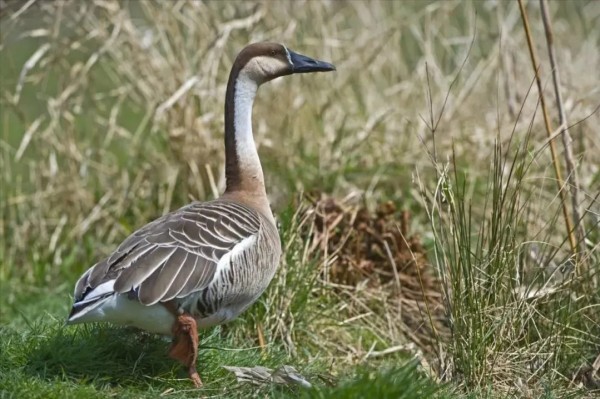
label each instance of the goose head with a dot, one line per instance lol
(265, 61)
(256, 64)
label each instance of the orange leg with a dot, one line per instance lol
(185, 345)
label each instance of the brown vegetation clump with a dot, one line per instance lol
(375, 251)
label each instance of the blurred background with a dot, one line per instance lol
(112, 115)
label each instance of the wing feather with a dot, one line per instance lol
(201, 277)
(139, 270)
(82, 284)
(156, 286)
(174, 255)
(181, 278)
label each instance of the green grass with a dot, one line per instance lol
(103, 161)
(44, 358)
(101, 361)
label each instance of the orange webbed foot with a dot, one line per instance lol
(185, 345)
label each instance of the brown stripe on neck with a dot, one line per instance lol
(232, 165)
(233, 173)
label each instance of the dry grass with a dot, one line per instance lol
(112, 115)
(377, 266)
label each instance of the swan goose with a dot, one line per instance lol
(205, 263)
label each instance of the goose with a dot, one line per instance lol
(207, 262)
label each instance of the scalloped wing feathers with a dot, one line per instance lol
(175, 255)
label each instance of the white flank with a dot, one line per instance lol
(224, 263)
(119, 309)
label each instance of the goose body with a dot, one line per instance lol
(207, 262)
(210, 260)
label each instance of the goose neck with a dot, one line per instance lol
(243, 170)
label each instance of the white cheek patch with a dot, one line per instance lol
(263, 68)
(252, 69)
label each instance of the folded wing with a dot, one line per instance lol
(171, 257)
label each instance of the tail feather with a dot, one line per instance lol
(90, 301)
(80, 309)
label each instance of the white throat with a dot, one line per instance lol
(249, 163)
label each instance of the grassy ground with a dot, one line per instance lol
(111, 115)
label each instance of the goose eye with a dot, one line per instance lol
(273, 52)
